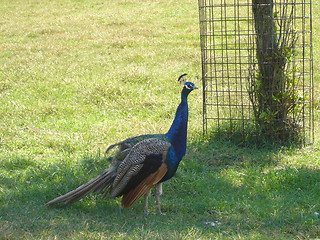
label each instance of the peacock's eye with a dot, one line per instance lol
(189, 86)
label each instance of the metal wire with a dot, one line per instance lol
(229, 60)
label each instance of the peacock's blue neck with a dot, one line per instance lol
(177, 133)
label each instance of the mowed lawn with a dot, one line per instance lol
(78, 75)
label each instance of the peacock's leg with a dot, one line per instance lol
(158, 194)
(146, 197)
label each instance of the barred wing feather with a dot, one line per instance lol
(144, 159)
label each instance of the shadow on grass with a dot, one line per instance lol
(255, 191)
(222, 189)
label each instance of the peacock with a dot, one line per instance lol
(140, 163)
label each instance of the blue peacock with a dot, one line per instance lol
(140, 163)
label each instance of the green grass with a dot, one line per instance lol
(76, 76)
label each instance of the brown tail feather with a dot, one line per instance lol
(94, 185)
(135, 194)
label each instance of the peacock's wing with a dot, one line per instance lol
(143, 167)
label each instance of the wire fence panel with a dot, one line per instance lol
(232, 65)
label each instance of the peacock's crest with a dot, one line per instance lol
(187, 85)
(182, 79)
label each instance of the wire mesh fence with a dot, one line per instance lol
(257, 66)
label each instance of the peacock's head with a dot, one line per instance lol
(188, 86)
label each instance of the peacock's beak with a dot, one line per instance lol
(194, 87)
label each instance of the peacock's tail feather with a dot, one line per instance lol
(97, 184)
